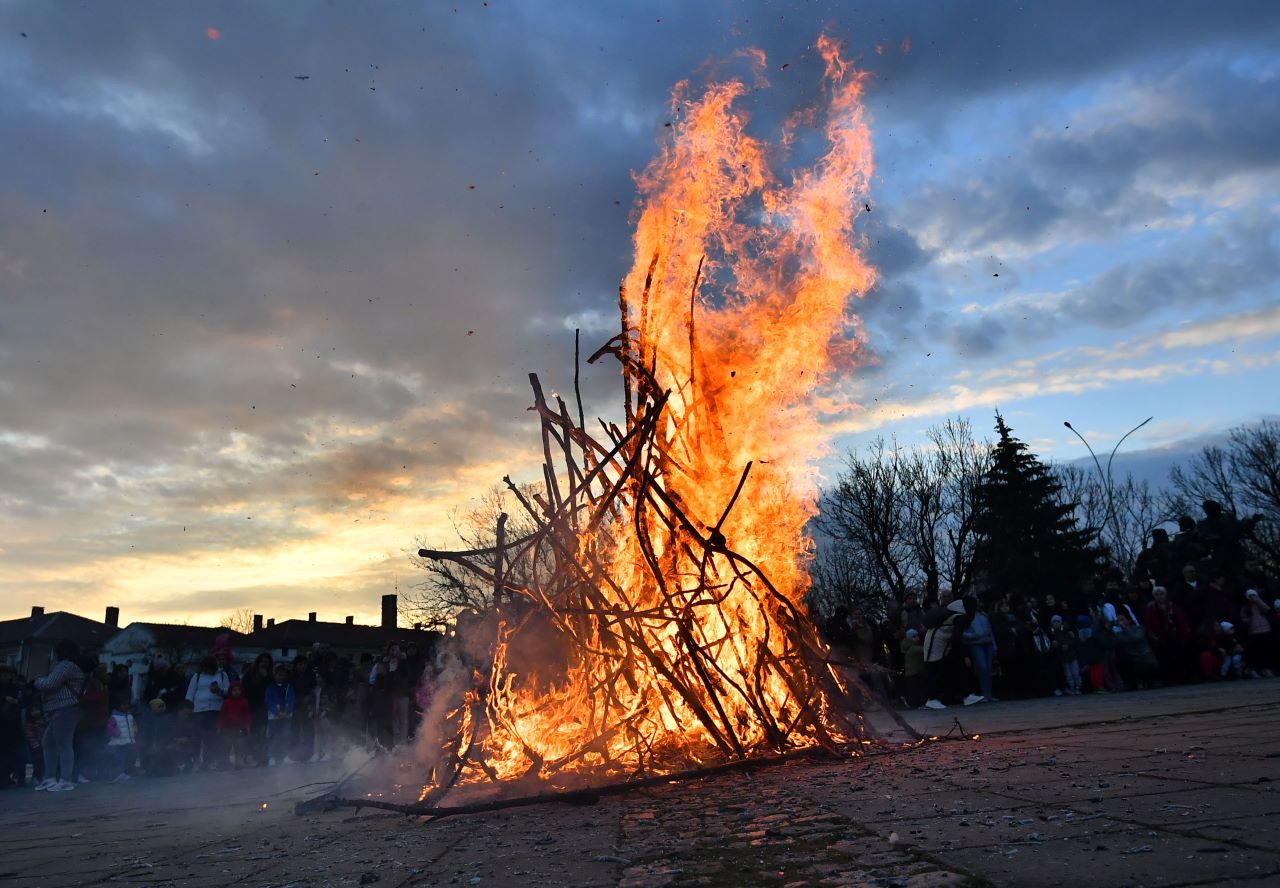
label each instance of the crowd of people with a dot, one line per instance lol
(1196, 607)
(83, 721)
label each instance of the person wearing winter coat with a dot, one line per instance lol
(61, 690)
(1137, 662)
(1066, 645)
(912, 668)
(980, 649)
(234, 721)
(281, 701)
(257, 678)
(939, 650)
(122, 740)
(1259, 637)
(1169, 631)
(205, 692)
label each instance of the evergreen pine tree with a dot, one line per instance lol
(1029, 543)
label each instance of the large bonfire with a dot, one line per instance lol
(657, 625)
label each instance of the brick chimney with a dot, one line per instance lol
(271, 622)
(389, 617)
(257, 622)
(311, 617)
(112, 618)
(351, 621)
(36, 611)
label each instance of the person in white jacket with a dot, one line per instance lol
(205, 691)
(122, 737)
(937, 645)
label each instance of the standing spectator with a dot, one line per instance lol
(122, 740)
(869, 653)
(980, 649)
(119, 687)
(940, 647)
(234, 722)
(34, 725)
(1138, 665)
(1156, 561)
(1169, 632)
(912, 613)
(184, 749)
(61, 690)
(167, 683)
(1066, 644)
(155, 725)
(912, 668)
(13, 756)
(222, 656)
(205, 693)
(281, 701)
(304, 711)
(1190, 594)
(358, 697)
(1188, 548)
(256, 681)
(91, 734)
(380, 703)
(1259, 643)
(1170, 635)
(1006, 629)
(393, 669)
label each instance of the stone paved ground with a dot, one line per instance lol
(1174, 787)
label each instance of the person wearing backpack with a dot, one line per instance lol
(61, 690)
(206, 691)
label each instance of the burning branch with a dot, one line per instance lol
(653, 626)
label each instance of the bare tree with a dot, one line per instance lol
(448, 590)
(899, 520)
(1122, 516)
(238, 621)
(1244, 476)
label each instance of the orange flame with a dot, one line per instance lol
(736, 306)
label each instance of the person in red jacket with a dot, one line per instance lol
(1169, 632)
(234, 721)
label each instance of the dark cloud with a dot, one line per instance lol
(222, 285)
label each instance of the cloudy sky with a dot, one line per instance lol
(272, 274)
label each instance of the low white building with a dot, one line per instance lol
(139, 644)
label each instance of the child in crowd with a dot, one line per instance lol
(1231, 651)
(913, 668)
(156, 728)
(280, 706)
(1067, 645)
(122, 739)
(34, 727)
(234, 720)
(184, 750)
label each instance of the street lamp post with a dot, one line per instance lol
(1105, 476)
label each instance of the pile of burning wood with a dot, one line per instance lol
(652, 622)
